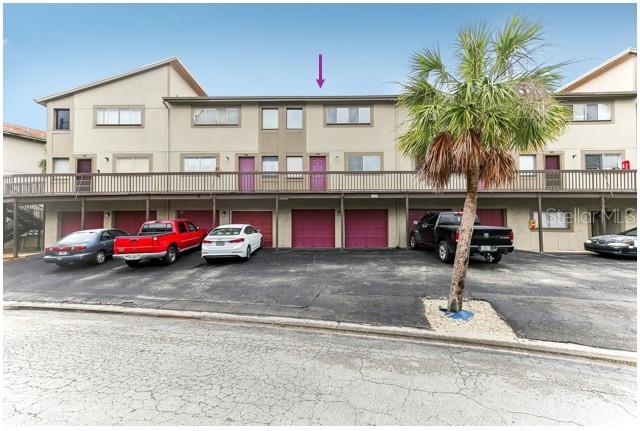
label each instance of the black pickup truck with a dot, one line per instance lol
(439, 230)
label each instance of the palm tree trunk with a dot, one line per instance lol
(462, 248)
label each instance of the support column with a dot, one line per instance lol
(540, 237)
(83, 205)
(406, 219)
(603, 216)
(213, 206)
(15, 228)
(342, 221)
(275, 236)
(146, 209)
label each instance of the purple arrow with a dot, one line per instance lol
(320, 81)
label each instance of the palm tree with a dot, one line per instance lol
(497, 102)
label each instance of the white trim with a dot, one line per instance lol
(597, 68)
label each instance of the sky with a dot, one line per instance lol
(273, 49)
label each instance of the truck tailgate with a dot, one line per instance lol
(137, 244)
(491, 235)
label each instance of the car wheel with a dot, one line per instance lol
(171, 256)
(209, 260)
(132, 263)
(101, 257)
(248, 256)
(413, 243)
(444, 254)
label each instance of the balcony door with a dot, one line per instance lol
(247, 177)
(318, 168)
(83, 182)
(552, 179)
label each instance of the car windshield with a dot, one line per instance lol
(453, 219)
(224, 231)
(630, 232)
(77, 237)
(156, 228)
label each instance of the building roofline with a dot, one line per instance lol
(598, 70)
(174, 61)
(24, 132)
(598, 94)
(239, 99)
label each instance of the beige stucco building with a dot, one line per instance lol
(315, 171)
(23, 148)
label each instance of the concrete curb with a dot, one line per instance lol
(521, 345)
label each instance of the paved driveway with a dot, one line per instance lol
(575, 298)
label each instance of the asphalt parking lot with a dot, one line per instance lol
(584, 299)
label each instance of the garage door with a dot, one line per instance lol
(261, 220)
(366, 228)
(313, 228)
(130, 221)
(492, 217)
(201, 218)
(70, 221)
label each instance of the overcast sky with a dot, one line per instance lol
(272, 49)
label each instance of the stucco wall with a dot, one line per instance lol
(21, 156)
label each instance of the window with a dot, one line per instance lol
(591, 112)
(249, 230)
(220, 116)
(603, 161)
(60, 166)
(181, 227)
(527, 162)
(554, 219)
(132, 164)
(118, 117)
(349, 115)
(153, 228)
(270, 165)
(225, 231)
(294, 118)
(191, 227)
(363, 163)
(294, 164)
(62, 118)
(199, 164)
(270, 118)
(107, 235)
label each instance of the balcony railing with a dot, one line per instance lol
(578, 181)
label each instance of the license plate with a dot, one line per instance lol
(132, 256)
(219, 243)
(62, 253)
(486, 248)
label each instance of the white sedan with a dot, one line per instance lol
(231, 240)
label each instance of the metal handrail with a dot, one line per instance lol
(159, 183)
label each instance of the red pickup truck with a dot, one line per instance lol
(158, 239)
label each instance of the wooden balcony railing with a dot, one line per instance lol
(578, 181)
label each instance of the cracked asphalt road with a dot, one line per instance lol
(584, 299)
(63, 368)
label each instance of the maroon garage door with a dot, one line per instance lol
(131, 221)
(492, 217)
(201, 218)
(70, 221)
(313, 228)
(366, 228)
(261, 220)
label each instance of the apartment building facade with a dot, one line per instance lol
(23, 149)
(315, 171)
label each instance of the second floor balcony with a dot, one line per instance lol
(239, 183)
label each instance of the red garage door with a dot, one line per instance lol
(70, 221)
(492, 217)
(130, 221)
(201, 218)
(366, 228)
(313, 228)
(261, 220)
